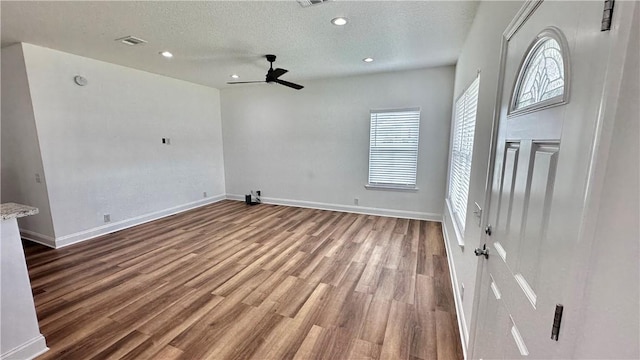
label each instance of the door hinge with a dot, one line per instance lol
(607, 15)
(557, 318)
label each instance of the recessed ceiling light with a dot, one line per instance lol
(234, 76)
(367, 60)
(339, 21)
(166, 54)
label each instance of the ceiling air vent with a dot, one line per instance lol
(307, 3)
(131, 40)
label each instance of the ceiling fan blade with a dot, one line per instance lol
(279, 72)
(289, 84)
(244, 82)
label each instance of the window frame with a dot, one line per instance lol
(459, 223)
(391, 186)
(548, 33)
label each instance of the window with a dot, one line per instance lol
(541, 79)
(393, 148)
(461, 152)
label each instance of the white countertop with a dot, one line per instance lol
(14, 211)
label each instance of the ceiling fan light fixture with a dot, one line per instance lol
(367, 60)
(339, 21)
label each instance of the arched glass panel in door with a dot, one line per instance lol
(543, 77)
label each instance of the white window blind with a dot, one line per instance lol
(393, 148)
(462, 151)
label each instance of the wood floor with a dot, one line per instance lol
(230, 281)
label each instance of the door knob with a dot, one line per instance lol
(482, 252)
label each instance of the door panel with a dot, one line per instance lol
(518, 203)
(503, 223)
(542, 175)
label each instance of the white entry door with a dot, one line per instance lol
(554, 68)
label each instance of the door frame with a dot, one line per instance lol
(619, 33)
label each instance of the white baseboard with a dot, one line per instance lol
(42, 239)
(462, 324)
(29, 350)
(120, 225)
(346, 208)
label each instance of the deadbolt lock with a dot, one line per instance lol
(487, 230)
(482, 252)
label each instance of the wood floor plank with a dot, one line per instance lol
(246, 342)
(447, 347)
(230, 281)
(375, 323)
(169, 353)
(424, 345)
(363, 350)
(95, 342)
(435, 243)
(168, 325)
(399, 333)
(284, 341)
(332, 343)
(265, 289)
(292, 301)
(364, 230)
(121, 347)
(236, 336)
(306, 350)
(353, 314)
(442, 285)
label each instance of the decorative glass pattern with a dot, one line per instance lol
(543, 76)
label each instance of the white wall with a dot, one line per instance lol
(310, 147)
(21, 159)
(611, 326)
(101, 143)
(481, 51)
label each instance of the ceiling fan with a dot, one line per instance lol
(272, 76)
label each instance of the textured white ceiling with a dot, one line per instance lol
(212, 40)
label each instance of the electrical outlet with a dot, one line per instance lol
(204, 194)
(461, 291)
(38, 180)
(356, 201)
(107, 218)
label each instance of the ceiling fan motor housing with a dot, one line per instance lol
(273, 75)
